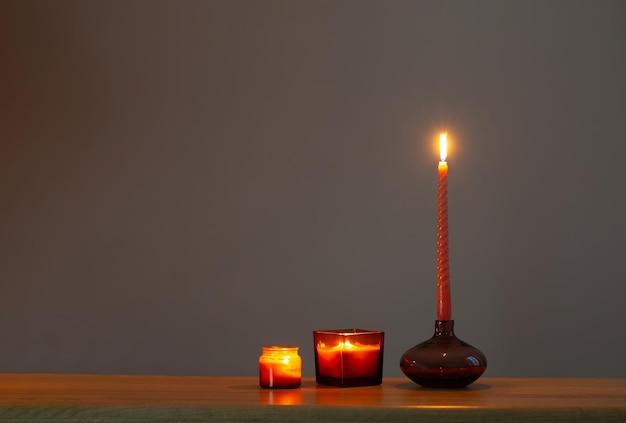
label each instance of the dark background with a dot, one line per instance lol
(182, 182)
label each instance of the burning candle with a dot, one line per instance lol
(280, 367)
(348, 357)
(443, 264)
(348, 360)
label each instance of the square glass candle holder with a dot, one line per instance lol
(348, 357)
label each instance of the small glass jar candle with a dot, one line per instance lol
(280, 367)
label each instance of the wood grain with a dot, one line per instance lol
(55, 397)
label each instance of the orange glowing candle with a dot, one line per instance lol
(348, 360)
(349, 357)
(280, 367)
(443, 265)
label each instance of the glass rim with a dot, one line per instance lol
(280, 347)
(348, 332)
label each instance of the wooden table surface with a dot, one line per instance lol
(62, 398)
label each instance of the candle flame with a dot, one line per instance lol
(443, 146)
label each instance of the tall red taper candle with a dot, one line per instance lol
(443, 265)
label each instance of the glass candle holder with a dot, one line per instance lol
(280, 367)
(348, 357)
(443, 361)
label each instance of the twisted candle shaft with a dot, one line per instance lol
(443, 265)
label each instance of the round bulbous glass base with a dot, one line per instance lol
(443, 361)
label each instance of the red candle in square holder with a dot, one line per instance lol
(348, 357)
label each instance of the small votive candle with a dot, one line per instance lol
(280, 367)
(348, 357)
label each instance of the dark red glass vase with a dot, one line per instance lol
(443, 361)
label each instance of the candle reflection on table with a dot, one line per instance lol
(280, 396)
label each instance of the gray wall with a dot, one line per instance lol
(184, 182)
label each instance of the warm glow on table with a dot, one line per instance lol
(113, 398)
